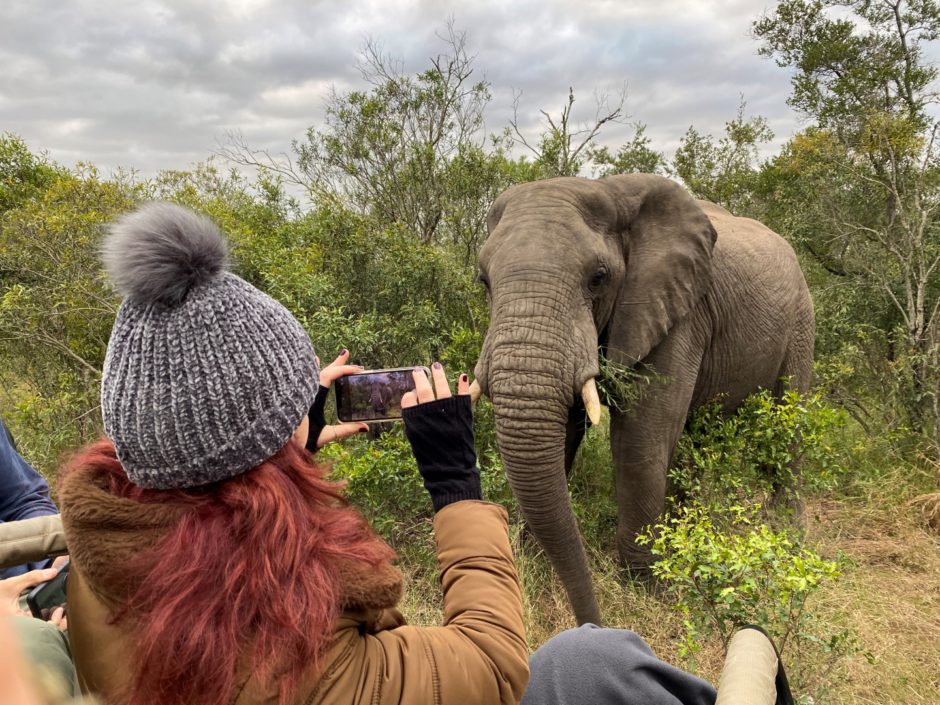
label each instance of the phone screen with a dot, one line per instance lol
(45, 597)
(374, 395)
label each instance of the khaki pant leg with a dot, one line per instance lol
(46, 650)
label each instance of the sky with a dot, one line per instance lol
(157, 84)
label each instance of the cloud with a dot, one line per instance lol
(154, 84)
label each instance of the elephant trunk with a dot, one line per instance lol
(525, 352)
(534, 461)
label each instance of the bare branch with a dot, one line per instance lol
(235, 149)
(514, 123)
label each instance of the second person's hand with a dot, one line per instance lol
(10, 589)
(320, 432)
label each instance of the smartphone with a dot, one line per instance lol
(374, 395)
(45, 597)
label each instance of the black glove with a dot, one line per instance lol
(316, 418)
(441, 436)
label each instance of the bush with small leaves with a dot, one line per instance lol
(723, 579)
(382, 480)
(767, 451)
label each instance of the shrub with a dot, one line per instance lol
(382, 479)
(721, 580)
(764, 451)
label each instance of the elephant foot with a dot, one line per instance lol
(636, 568)
(641, 576)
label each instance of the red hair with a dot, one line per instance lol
(249, 577)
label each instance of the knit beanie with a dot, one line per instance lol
(205, 376)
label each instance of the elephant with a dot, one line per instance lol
(630, 266)
(380, 398)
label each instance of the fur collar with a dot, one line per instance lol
(104, 532)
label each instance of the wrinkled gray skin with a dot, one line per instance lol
(716, 304)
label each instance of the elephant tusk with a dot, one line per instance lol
(475, 392)
(592, 402)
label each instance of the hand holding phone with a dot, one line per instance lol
(374, 396)
(319, 432)
(46, 597)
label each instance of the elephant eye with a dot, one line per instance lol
(598, 278)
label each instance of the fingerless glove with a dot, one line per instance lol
(441, 437)
(316, 418)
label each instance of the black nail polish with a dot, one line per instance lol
(343, 351)
(463, 377)
(436, 365)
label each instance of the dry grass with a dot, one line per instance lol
(929, 507)
(889, 596)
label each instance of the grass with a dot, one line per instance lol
(888, 596)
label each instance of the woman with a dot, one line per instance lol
(211, 561)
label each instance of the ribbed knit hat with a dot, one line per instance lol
(205, 376)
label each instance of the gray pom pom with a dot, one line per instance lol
(161, 251)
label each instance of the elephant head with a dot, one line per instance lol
(569, 262)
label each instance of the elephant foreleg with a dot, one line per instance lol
(643, 441)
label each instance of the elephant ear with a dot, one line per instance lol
(667, 245)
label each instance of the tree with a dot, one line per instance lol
(725, 172)
(564, 147)
(410, 151)
(23, 175)
(868, 169)
(636, 156)
(55, 307)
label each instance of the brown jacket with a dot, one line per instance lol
(479, 655)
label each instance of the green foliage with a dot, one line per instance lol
(848, 62)
(715, 555)
(758, 454)
(55, 310)
(621, 387)
(23, 175)
(389, 299)
(382, 479)
(593, 497)
(857, 190)
(724, 579)
(724, 172)
(635, 156)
